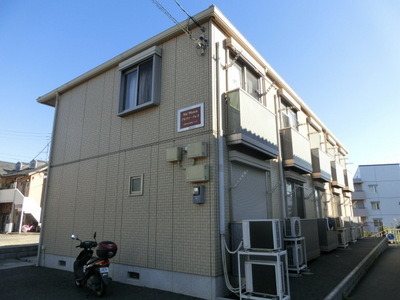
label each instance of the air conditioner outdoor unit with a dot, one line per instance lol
(295, 255)
(337, 223)
(343, 237)
(292, 227)
(330, 223)
(265, 278)
(263, 234)
(353, 234)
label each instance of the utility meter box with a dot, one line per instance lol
(198, 194)
(174, 154)
(198, 149)
(197, 173)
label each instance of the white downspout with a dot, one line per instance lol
(41, 246)
(280, 163)
(221, 175)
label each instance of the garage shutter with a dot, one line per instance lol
(248, 192)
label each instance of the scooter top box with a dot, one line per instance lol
(106, 249)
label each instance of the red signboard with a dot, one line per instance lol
(191, 117)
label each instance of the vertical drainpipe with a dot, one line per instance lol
(221, 175)
(280, 163)
(47, 183)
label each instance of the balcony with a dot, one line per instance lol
(11, 196)
(360, 212)
(251, 126)
(348, 181)
(21, 203)
(337, 174)
(359, 195)
(296, 151)
(321, 164)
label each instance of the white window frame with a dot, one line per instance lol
(373, 188)
(132, 64)
(241, 78)
(377, 222)
(375, 205)
(135, 192)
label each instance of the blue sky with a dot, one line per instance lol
(341, 57)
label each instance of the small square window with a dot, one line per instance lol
(136, 185)
(373, 188)
(378, 222)
(375, 205)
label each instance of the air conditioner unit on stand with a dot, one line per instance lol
(292, 227)
(295, 255)
(263, 234)
(343, 237)
(265, 278)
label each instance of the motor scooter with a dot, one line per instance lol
(91, 271)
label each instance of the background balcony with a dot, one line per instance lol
(358, 195)
(360, 212)
(251, 126)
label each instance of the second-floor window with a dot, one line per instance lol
(289, 116)
(241, 76)
(140, 82)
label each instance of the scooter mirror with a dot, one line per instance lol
(74, 237)
(94, 235)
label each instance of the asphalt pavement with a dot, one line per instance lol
(21, 279)
(38, 283)
(382, 279)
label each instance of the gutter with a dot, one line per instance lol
(41, 247)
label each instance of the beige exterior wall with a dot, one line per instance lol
(95, 153)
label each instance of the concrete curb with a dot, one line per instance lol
(344, 288)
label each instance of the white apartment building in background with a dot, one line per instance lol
(376, 198)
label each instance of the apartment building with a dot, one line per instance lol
(164, 148)
(376, 198)
(21, 194)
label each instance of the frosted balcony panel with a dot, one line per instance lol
(348, 181)
(250, 124)
(337, 174)
(296, 150)
(321, 163)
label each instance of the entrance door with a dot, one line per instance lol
(249, 192)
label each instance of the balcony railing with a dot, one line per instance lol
(359, 195)
(321, 163)
(11, 196)
(360, 212)
(296, 150)
(250, 124)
